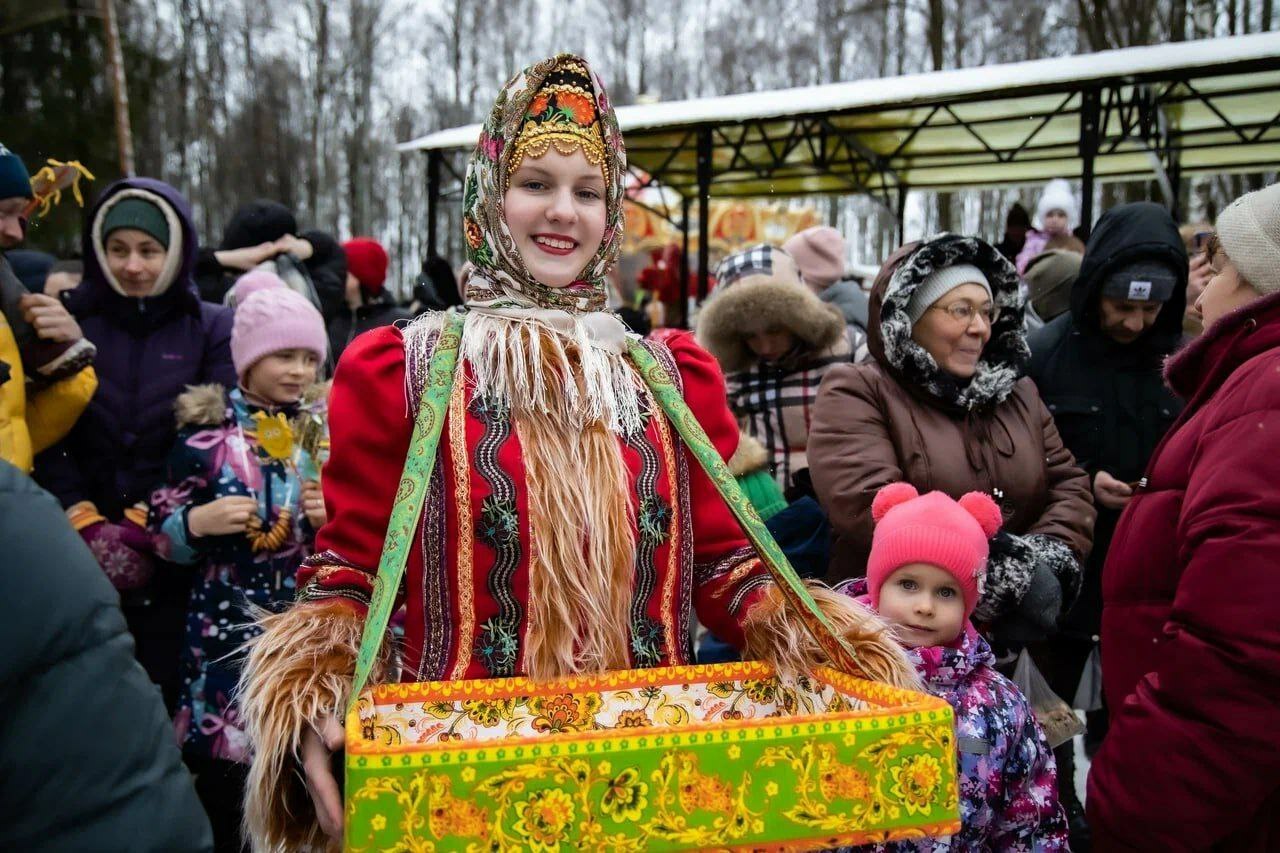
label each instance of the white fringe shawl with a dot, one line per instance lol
(508, 352)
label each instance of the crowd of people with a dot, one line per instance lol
(1057, 445)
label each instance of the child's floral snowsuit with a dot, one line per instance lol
(210, 461)
(1008, 779)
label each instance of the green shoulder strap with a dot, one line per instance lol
(672, 402)
(411, 495)
(421, 460)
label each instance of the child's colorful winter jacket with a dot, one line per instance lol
(225, 447)
(1008, 779)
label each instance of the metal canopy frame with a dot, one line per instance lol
(1012, 131)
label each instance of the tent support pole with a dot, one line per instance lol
(685, 203)
(704, 212)
(433, 199)
(1175, 185)
(902, 213)
(1089, 118)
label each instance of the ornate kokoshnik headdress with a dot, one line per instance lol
(563, 114)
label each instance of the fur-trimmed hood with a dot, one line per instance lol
(758, 303)
(209, 405)
(1005, 356)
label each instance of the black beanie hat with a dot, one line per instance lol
(260, 221)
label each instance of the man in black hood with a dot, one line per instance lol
(1099, 370)
(263, 230)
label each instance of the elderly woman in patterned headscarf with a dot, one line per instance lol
(566, 529)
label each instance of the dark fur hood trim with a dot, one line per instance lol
(757, 304)
(1003, 360)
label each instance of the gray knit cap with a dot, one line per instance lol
(1249, 230)
(938, 283)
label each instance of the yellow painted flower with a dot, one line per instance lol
(275, 435)
(701, 791)
(566, 712)
(771, 789)
(915, 781)
(735, 752)
(489, 713)
(636, 719)
(762, 690)
(468, 774)
(604, 768)
(840, 781)
(545, 819)
(378, 822)
(626, 797)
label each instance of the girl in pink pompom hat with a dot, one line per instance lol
(924, 576)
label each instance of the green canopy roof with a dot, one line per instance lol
(1189, 107)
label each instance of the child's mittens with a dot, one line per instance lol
(124, 551)
(1036, 616)
(1030, 580)
(1010, 569)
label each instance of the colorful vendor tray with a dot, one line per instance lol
(727, 756)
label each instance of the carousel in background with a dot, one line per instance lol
(648, 277)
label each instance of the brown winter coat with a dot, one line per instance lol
(868, 431)
(901, 418)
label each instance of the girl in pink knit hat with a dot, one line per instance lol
(928, 558)
(242, 504)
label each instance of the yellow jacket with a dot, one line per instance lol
(30, 426)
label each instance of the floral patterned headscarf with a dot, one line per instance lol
(537, 98)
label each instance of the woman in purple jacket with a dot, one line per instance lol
(139, 305)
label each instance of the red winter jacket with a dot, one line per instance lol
(1191, 613)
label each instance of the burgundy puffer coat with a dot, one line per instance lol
(1191, 613)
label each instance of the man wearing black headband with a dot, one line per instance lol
(1098, 368)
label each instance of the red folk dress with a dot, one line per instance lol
(467, 581)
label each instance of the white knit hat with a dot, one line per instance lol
(1249, 230)
(938, 283)
(1057, 195)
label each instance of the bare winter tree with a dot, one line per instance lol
(304, 100)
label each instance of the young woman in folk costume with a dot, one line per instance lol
(567, 529)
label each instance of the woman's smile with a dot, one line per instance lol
(555, 244)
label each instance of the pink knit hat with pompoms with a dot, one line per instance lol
(953, 535)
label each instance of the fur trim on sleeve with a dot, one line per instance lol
(1061, 560)
(776, 635)
(1009, 571)
(201, 405)
(298, 669)
(749, 457)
